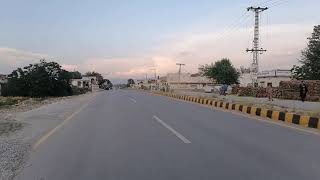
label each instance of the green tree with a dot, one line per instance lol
(130, 81)
(39, 80)
(75, 75)
(310, 68)
(97, 75)
(222, 71)
(106, 83)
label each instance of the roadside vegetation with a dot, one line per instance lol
(9, 101)
(42, 79)
(45, 79)
(130, 82)
(223, 72)
(310, 59)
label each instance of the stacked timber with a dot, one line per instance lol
(290, 89)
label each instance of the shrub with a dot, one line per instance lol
(77, 90)
(39, 80)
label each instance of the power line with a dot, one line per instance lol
(235, 26)
(271, 3)
(279, 2)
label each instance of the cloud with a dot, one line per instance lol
(284, 43)
(12, 58)
(115, 68)
(69, 67)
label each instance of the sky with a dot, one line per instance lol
(124, 39)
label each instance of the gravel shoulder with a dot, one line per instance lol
(22, 124)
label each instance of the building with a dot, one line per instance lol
(263, 78)
(273, 77)
(187, 81)
(84, 82)
(247, 79)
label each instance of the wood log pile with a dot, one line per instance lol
(286, 90)
(291, 90)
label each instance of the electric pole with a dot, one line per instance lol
(179, 64)
(256, 50)
(155, 73)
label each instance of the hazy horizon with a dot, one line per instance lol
(126, 39)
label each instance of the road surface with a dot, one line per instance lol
(130, 135)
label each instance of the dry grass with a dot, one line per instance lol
(9, 101)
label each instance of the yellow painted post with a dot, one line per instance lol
(237, 107)
(264, 112)
(244, 109)
(275, 115)
(253, 110)
(304, 121)
(288, 117)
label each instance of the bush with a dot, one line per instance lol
(39, 80)
(8, 102)
(77, 90)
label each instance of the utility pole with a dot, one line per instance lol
(179, 64)
(155, 73)
(256, 50)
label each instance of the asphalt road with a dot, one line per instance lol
(129, 135)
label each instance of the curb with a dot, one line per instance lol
(306, 121)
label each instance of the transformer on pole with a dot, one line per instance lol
(256, 50)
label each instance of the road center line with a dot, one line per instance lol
(181, 137)
(133, 100)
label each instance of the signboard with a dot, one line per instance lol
(275, 73)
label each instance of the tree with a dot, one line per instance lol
(97, 75)
(39, 80)
(75, 75)
(222, 71)
(130, 81)
(310, 68)
(106, 84)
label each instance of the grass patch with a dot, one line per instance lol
(9, 101)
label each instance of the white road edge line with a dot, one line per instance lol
(133, 100)
(181, 137)
(52, 131)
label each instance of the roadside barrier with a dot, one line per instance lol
(306, 121)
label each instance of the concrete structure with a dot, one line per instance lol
(84, 82)
(187, 81)
(273, 77)
(263, 78)
(174, 81)
(247, 79)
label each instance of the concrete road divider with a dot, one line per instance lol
(306, 121)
